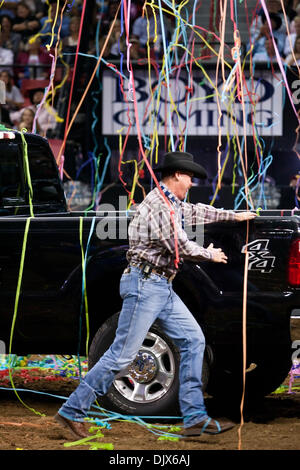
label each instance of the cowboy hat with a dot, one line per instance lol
(181, 161)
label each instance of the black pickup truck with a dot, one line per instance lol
(68, 273)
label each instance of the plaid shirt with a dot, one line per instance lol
(154, 233)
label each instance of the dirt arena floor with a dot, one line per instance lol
(272, 424)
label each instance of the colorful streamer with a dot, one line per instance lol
(180, 55)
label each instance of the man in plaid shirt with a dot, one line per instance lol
(158, 244)
(154, 233)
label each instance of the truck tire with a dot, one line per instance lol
(152, 390)
(262, 377)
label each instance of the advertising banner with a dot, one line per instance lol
(200, 106)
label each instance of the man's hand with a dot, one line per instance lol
(241, 216)
(217, 254)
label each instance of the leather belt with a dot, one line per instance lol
(150, 269)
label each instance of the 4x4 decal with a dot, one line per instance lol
(259, 256)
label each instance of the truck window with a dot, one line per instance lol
(44, 175)
(10, 172)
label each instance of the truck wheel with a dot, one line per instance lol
(148, 390)
(262, 377)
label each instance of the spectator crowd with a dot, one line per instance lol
(29, 32)
(28, 26)
(285, 28)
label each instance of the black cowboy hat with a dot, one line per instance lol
(181, 161)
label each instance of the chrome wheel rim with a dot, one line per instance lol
(150, 376)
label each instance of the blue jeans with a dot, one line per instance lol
(146, 299)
